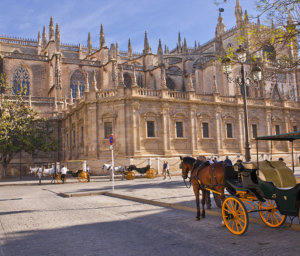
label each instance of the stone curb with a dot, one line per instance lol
(294, 227)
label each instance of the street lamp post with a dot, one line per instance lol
(256, 72)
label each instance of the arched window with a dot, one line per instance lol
(76, 78)
(170, 84)
(21, 80)
(127, 80)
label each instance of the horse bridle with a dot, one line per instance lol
(186, 178)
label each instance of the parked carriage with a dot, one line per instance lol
(47, 172)
(266, 187)
(147, 171)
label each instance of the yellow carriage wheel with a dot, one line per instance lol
(58, 179)
(151, 173)
(270, 215)
(82, 177)
(235, 215)
(130, 175)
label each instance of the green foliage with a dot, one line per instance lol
(282, 19)
(20, 127)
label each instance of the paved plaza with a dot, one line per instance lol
(38, 220)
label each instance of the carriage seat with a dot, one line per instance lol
(287, 199)
(276, 172)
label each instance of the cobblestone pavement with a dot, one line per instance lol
(35, 220)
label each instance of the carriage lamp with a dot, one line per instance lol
(256, 73)
(226, 66)
(241, 54)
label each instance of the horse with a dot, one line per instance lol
(34, 170)
(209, 176)
(117, 170)
(50, 172)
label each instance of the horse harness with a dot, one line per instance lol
(213, 178)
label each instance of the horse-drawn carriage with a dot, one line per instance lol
(43, 171)
(146, 171)
(266, 187)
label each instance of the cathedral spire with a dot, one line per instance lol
(159, 50)
(102, 37)
(238, 12)
(147, 49)
(185, 48)
(246, 18)
(89, 43)
(220, 29)
(113, 52)
(117, 49)
(129, 49)
(57, 38)
(44, 36)
(39, 46)
(179, 41)
(39, 39)
(51, 30)
(166, 49)
(258, 22)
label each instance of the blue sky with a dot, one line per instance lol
(195, 19)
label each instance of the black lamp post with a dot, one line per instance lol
(256, 72)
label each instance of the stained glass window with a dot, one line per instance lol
(76, 78)
(21, 79)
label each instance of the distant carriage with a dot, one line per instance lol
(147, 171)
(47, 172)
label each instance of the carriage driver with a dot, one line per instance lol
(63, 173)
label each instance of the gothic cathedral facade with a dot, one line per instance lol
(175, 102)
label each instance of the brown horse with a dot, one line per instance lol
(209, 176)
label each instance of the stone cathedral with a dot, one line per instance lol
(157, 105)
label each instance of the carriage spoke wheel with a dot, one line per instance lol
(58, 179)
(270, 215)
(151, 173)
(82, 177)
(235, 215)
(130, 175)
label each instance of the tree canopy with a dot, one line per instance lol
(21, 129)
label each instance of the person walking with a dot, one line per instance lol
(63, 173)
(166, 170)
